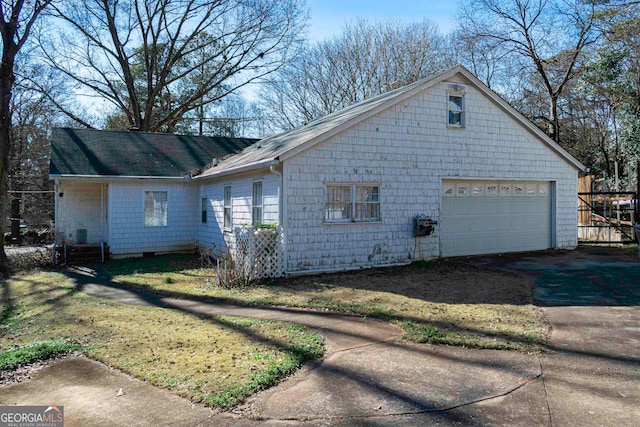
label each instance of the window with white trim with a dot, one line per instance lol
(456, 110)
(352, 203)
(227, 207)
(155, 208)
(256, 203)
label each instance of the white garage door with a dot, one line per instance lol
(484, 217)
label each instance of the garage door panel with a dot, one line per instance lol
(489, 208)
(476, 223)
(493, 223)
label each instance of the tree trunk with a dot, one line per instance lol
(6, 79)
(554, 124)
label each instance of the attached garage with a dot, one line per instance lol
(442, 167)
(484, 217)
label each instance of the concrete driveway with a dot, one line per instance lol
(591, 297)
(589, 377)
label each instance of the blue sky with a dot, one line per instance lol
(329, 16)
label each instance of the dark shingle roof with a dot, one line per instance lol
(123, 153)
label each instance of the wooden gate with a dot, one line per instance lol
(605, 216)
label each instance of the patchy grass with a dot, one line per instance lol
(34, 352)
(631, 249)
(216, 360)
(440, 302)
(176, 273)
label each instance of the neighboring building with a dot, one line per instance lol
(347, 188)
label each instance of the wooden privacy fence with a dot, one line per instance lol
(584, 202)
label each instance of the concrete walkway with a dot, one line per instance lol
(369, 376)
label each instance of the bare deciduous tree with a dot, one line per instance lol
(33, 116)
(365, 60)
(157, 61)
(16, 21)
(548, 36)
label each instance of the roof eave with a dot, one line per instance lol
(249, 167)
(69, 177)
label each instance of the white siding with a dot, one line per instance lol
(212, 233)
(79, 208)
(127, 232)
(409, 150)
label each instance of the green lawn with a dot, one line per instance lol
(215, 360)
(435, 302)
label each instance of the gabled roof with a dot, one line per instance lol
(97, 153)
(279, 147)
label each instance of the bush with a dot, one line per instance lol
(230, 274)
(37, 258)
(37, 236)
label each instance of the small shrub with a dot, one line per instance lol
(230, 274)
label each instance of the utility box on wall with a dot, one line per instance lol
(423, 225)
(81, 236)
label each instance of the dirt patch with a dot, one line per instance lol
(449, 282)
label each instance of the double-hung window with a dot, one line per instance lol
(227, 207)
(256, 203)
(155, 208)
(352, 203)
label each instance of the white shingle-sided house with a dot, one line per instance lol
(348, 189)
(129, 191)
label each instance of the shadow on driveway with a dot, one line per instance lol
(586, 276)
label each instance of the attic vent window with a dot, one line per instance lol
(456, 110)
